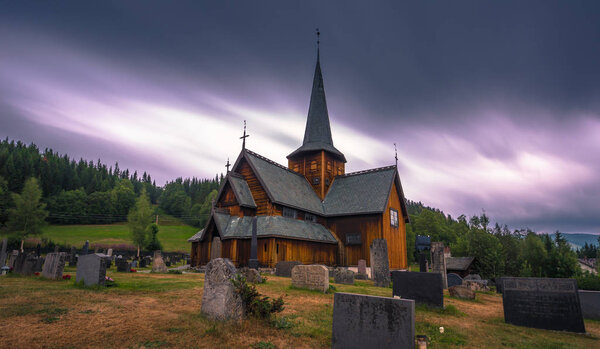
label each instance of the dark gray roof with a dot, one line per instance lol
(283, 185)
(197, 236)
(317, 135)
(230, 227)
(360, 192)
(459, 263)
(241, 190)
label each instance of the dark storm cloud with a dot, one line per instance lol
(493, 105)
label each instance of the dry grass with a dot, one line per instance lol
(153, 310)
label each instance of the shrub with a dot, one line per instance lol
(255, 304)
(589, 282)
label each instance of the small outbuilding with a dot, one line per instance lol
(462, 266)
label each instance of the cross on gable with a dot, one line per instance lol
(243, 138)
(227, 165)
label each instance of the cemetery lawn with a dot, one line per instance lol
(163, 311)
(173, 237)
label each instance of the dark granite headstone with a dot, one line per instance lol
(380, 264)
(423, 288)
(546, 303)
(91, 269)
(284, 268)
(85, 248)
(590, 304)
(454, 280)
(361, 321)
(25, 264)
(499, 285)
(143, 262)
(123, 266)
(3, 253)
(38, 250)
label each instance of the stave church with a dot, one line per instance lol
(311, 210)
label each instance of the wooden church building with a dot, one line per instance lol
(311, 210)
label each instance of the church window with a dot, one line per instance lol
(316, 180)
(296, 168)
(313, 166)
(393, 217)
(289, 212)
(265, 245)
(277, 249)
(310, 217)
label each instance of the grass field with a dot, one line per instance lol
(172, 237)
(163, 310)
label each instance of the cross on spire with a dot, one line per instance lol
(227, 165)
(243, 138)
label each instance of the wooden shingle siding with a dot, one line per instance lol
(263, 204)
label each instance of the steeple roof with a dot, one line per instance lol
(317, 135)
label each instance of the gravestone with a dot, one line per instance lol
(546, 303)
(25, 264)
(55, 249)
(109, 253)
(72, 256)
(343, 276)
(454, 280)
(362, 270)
(12, 259)
(3, 254)
(134, 263)
(220, 301)
(38, 250)
(361, 321)
(91, 269)
(423, 288)
(499, 284)
(438, 259)
(54, 265)
(312, 277)
(251, 275)
(461, 291)
(380, 265)
(284, 268)
(590, 304)
(39, 264)
(123, 266)
(143, 262)
(158, 265)
(86, 247)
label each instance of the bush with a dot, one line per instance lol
(254, 304)
(589, 282)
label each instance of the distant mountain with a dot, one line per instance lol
(578, 240)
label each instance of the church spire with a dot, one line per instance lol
(317, 134)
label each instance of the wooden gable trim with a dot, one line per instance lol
(243, 155)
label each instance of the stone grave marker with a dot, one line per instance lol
(313, 277)
(86, 247)
(109, 252)
(461, 291)
(91, 269)
(423, 288)
(143, 262)
(3, 253)
(362, 270)
(361, 321)
(123, 266)
(380, 265)
(438, 259)
(590, 304)
(284, 268)
(12, 258)
(25, 264)
(158, 265)
(546, 303)
(454, 280)
(251, 275)
(220, 301)
(55, 248)
(54, 265)
(39, 264)
(343, 276)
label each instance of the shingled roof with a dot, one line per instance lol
(283, 185)
(234, 227)
(317, 135)
(459, 263)
(360, 193)
(241, 190)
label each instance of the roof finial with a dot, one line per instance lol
(396, 156)
(243, 138)
(227, 165)
(318, 42)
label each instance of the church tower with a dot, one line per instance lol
(317, 159)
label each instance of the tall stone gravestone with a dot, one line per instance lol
(220, 301)
(313, 277)
(3, 253)
(438, 259)
(158, 265)
(284, 268)
(91, 269)
(423, 288)
(54, 265)
(361, 321)
(362, 270)
(73, 257)
(380, 264)
(546, 303)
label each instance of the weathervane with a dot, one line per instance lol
(396, 156)
(243, 138)
(227, 165)
(318, 35)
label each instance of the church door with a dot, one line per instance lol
(215, 248)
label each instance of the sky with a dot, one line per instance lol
(493, 105)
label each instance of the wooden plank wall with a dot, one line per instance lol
(395, 236)
(263, 204)
(370, 228)
(327, 167)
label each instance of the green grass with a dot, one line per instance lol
(173, 237)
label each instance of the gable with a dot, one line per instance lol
(235, 191)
